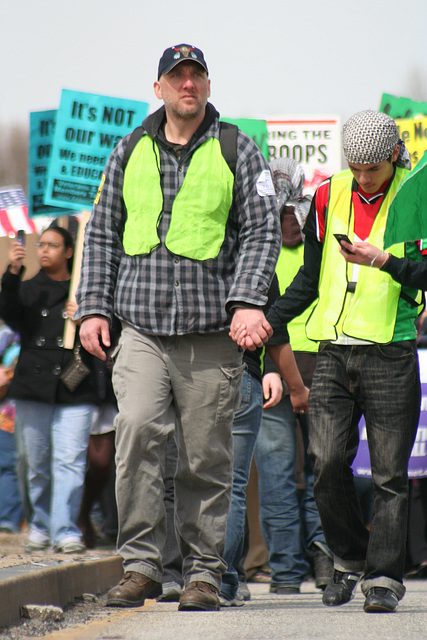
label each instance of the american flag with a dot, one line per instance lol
(11, 197)
(14, 213)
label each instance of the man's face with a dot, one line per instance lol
(184, 90)
(370, 177)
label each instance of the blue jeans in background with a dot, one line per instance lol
(56, 439)
(289, 527)
(10, 498)
(383, 383)
(245, 430)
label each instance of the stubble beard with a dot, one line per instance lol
(185, 114)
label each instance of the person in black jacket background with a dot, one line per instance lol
(55, 420)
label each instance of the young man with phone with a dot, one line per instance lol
(367, 361)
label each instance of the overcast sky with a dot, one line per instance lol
(265, 57)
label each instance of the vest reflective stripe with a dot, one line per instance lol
(369, 314)
(199, 211)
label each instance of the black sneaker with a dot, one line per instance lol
(342, 589)
(380, 600)
(323, 567)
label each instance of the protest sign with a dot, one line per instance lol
(42, 129)
(417, 467)
(397, 107)
(313, 141)
(413, 132)
(255, 129)
(88, 127)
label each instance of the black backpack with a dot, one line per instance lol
(227, 140)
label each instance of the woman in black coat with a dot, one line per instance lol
(54, 421)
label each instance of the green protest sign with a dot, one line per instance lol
(402, 107)
(255, 129)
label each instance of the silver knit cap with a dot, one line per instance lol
(288, 180)
(370, 137)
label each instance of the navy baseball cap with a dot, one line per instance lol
(179, 53)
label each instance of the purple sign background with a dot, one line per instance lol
(417, 467)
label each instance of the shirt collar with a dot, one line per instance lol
(371, 198)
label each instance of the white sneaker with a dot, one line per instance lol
(32, 545)
(37, 541)
(236, 602)
(72, 546)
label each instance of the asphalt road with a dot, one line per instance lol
(59, 580)
(264, 617)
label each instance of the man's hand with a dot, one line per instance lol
(239, 334)
(249, 328)
(364, 253)
(94, 332)
(284, 359)
(272, 389)
(299, 399)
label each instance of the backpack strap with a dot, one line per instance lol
(227, 140)
(410, 300)
(135, 137)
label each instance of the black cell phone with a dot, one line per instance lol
(20, 236)
(342, 236)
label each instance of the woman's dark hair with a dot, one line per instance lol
(67, 238)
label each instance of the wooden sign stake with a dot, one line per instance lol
(70, 327)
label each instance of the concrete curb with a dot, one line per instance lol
(58, 585)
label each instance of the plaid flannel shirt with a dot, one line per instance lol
(166, 294)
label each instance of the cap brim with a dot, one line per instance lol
(172, 66)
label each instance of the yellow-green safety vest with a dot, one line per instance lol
(199, 211)
(288, 264)
(370, 313)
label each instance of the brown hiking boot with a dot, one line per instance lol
(199, 596)
(132, 590)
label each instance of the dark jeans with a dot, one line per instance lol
(381, 382)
